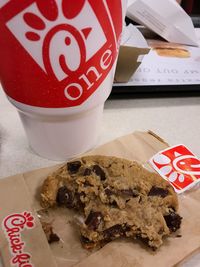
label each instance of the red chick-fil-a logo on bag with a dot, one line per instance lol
(179, 166)
(69, 45)
(13, 225)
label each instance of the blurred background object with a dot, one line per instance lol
(192, 7)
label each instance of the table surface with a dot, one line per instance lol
(174, 119)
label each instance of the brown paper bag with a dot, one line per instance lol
(128, 62)
(20, 193)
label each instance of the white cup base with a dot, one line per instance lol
(62, 137)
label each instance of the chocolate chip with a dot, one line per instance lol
(114, 204)
(129, 192)
(87, 243)
(145, 241)
(173, 221)
(158, 191)
(86, 183)
(73, 166)
(48, 230)
(78, 204)
(93, 220)
(53, 238)
(172, 208)
(87, 172)
(65, 197)
(115, 231)
(85, 239)
(99, 172)
(178, 236)
(108, 192)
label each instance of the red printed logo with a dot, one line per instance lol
(13, 225)
(62, 50)
(3, 2)
(179, 166)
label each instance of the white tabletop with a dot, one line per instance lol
(174, 119)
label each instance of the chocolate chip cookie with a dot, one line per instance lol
(116, 198)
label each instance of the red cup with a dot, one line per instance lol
(57, 65)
